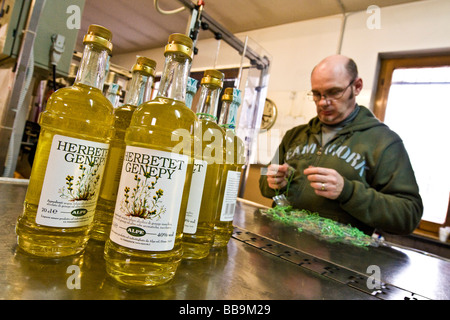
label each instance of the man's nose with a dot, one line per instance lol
(323, 101)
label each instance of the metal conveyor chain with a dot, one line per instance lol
(327, 269)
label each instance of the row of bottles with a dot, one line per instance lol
(152, 179)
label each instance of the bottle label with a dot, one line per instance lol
(230, 196)
(72, 182)
(149, 199)
(195, 196)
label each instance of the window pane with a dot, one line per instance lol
(418, 109)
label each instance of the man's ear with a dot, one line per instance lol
(358, 86)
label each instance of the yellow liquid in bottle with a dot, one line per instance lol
(80, 112)
(156, 125)
(197, 244)
(224, 229)
(106, 202)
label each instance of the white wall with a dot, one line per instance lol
(297, 47)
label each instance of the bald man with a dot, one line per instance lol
(346, 164)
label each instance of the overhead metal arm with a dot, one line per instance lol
(215, 27)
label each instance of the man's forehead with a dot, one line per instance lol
(329, 75)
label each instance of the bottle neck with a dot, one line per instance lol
(191, 91)
(140, 89)
(174, 77)
(223, 118)
(92, 70)
(228, 114)
(112, 94)
(208, 101)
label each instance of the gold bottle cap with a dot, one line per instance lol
(145, 65)
(99, 35)
(181, 43)
(214, 77)
(227, 94)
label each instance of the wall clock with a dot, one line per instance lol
(269, 115)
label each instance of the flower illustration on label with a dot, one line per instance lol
(143, 201)
(85, 184)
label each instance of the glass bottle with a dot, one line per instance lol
(113, 94)
(234, 159)
(144, 248)
(73, 145)
(139, 91)
(198, 233)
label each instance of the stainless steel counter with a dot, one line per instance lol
(264, 260)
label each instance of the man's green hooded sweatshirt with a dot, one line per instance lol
(380, 190)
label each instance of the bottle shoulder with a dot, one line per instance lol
(210, 125)
(126, 108)
(79, 111)
(123, 115)
(79, 101)
(164, 112)
(122, 119)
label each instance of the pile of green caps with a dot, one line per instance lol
(323, 228)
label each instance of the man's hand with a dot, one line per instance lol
(277, 175)
(326, 182)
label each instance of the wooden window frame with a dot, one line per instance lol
(387, 64)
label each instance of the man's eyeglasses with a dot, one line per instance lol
(332, 94)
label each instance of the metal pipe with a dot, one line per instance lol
(344, 22)
(217, 54)
(242, 63)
